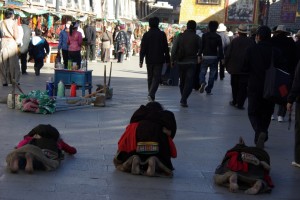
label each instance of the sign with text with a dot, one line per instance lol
(240, 11)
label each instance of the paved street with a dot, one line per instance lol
(206, 129)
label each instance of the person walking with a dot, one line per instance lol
(294, 96)
(25, 44)
(9, 61)
(186, 52)
(63, 43)
(257, 60)
(75, 42)
(154, 47)
(106, 41)
(211, 52)
(122, 42)
(38, 50)
(234, 60)
(90, 35)
(222, 31)
(287, 46)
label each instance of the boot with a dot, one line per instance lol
(135, 168)
(29, 163)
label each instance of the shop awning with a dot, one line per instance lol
(35, 11)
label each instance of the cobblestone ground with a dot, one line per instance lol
(206, 129)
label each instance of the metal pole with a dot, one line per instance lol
(57, 5)
(117, 10)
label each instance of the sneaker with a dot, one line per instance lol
(295, 164)
(280, 119)
(202, 87)
(261, 140)
(272, 117)
(94, 61)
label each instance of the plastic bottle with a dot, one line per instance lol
(49, 88)
(73, 90)
(61, 89)
(70, 64)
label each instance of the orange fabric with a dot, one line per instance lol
(127, 141)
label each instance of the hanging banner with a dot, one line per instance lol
(240, 11)
(288, 11)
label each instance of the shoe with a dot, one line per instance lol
(240, 107)
(232, 103)
(202, 87)
(261, 140)
(280, 119)
(209, 93)
(150, 99)
(94, 61)
(5, 84)
(272, 117)
(295, 164)
(24, 73)
(184, 105)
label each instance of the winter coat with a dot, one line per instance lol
(90, 35)
(188, 44)
(38, 47)
(75, 41)
(235, 54)
(26, 38)
(63, 40)
(212, 45)
(294, 94)
(154, 47)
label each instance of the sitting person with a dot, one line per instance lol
(146, 147)
(41, 149)
(245, 168)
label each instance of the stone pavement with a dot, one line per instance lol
(207, 128)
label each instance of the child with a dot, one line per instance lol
(38, 50)
(41, 149)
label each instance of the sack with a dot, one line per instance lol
(276, 85)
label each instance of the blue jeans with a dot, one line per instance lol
(213, 66)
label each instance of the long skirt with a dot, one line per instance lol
(9, 61)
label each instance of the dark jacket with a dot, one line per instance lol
(90, 34)
(257, 61)
(154, 47)
(26, 38)
(38, 47)
(212, 45)
(235, 54)
(288, 49)
(188, 44)
(294, 94)
(150, 128)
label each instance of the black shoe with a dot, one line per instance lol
(24, 73)
(240, 107)
(150, 99)
(232, 103)
(202, 87)
(261, 140)
(5, 84)
(184, 105)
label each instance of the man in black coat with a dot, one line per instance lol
(257, 61)
(90, 34)
(154, 47)
(186, 52)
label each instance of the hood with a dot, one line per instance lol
(37, 40)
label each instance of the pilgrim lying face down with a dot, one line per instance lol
(41, 149)
(146, 147)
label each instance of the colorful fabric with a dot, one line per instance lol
(127, 142)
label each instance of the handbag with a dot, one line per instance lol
(277, 84)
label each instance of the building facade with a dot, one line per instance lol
(234, 12)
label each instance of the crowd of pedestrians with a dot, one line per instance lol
(246, 56)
